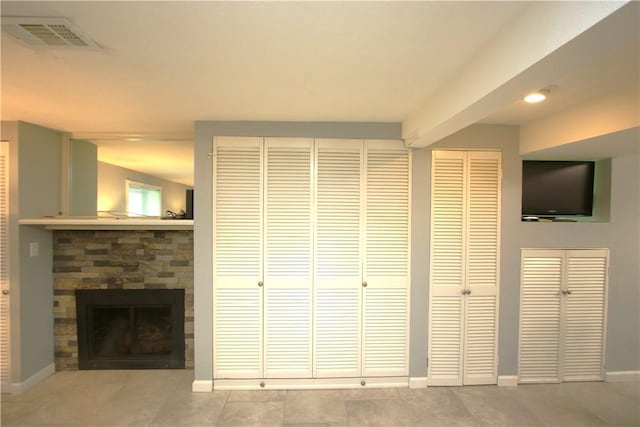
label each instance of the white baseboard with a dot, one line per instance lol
(202, 386)
(38, 377)
(309, 383)
(507, 380)
(620, 376)
(417, 382)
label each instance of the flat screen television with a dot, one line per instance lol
(557, 188)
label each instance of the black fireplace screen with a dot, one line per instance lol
(130, 329)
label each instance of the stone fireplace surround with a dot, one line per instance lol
(117, 259)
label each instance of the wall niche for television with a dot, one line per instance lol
(545, 180)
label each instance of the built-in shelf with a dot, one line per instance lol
(84, 223)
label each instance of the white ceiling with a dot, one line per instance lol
(163, 65)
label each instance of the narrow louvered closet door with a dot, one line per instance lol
(541, 288)
(386, 261)
(482, 261)
(585, 300)
(446, 308)
(288, 258)
(338, 266)
(4, 264)
(237, 315)
(464, 266)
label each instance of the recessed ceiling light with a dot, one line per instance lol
(135, 139)
(537, 96)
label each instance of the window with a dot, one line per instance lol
(143, 199)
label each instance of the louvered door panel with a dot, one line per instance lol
(385, 332)
(237, 332)
(482, 261)
(447, 219)
(4, 264)
(540, 315)
(483, 223)
(338, 272)
(288, 257)
(446, 317)
(337, 333)
(585, 315)
(287, 333)
(237, 316)
(386, 261)
(480, 339)
(445, 340)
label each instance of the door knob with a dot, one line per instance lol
(5, 292)
(364, 284)
(261, 283)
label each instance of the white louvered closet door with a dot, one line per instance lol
(541, 281)
(386, 262)
(562, 315)
(465, 237)
(288, 258)
(4, 265)
(585, 314)
(446, 307)
(338, 266)
(237, 314)
(482, 261)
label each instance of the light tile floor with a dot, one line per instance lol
(164, 398)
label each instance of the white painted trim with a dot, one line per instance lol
(620, 376)
(417, 382)
(38, 377)
(310, 383)
(507, 380)
(202, 386)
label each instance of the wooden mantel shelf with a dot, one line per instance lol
(93, 223)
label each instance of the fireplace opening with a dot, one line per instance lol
(130, 329)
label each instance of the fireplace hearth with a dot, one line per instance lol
(130, 329)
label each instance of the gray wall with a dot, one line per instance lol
(83, 179)
(478, 137)
(620, 235)
(111, 184)
(39, 175)
(202, 245)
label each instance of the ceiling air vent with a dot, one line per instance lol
(54, 32)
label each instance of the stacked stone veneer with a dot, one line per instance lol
(127, 259)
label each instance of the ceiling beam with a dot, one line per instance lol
(524, 56)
